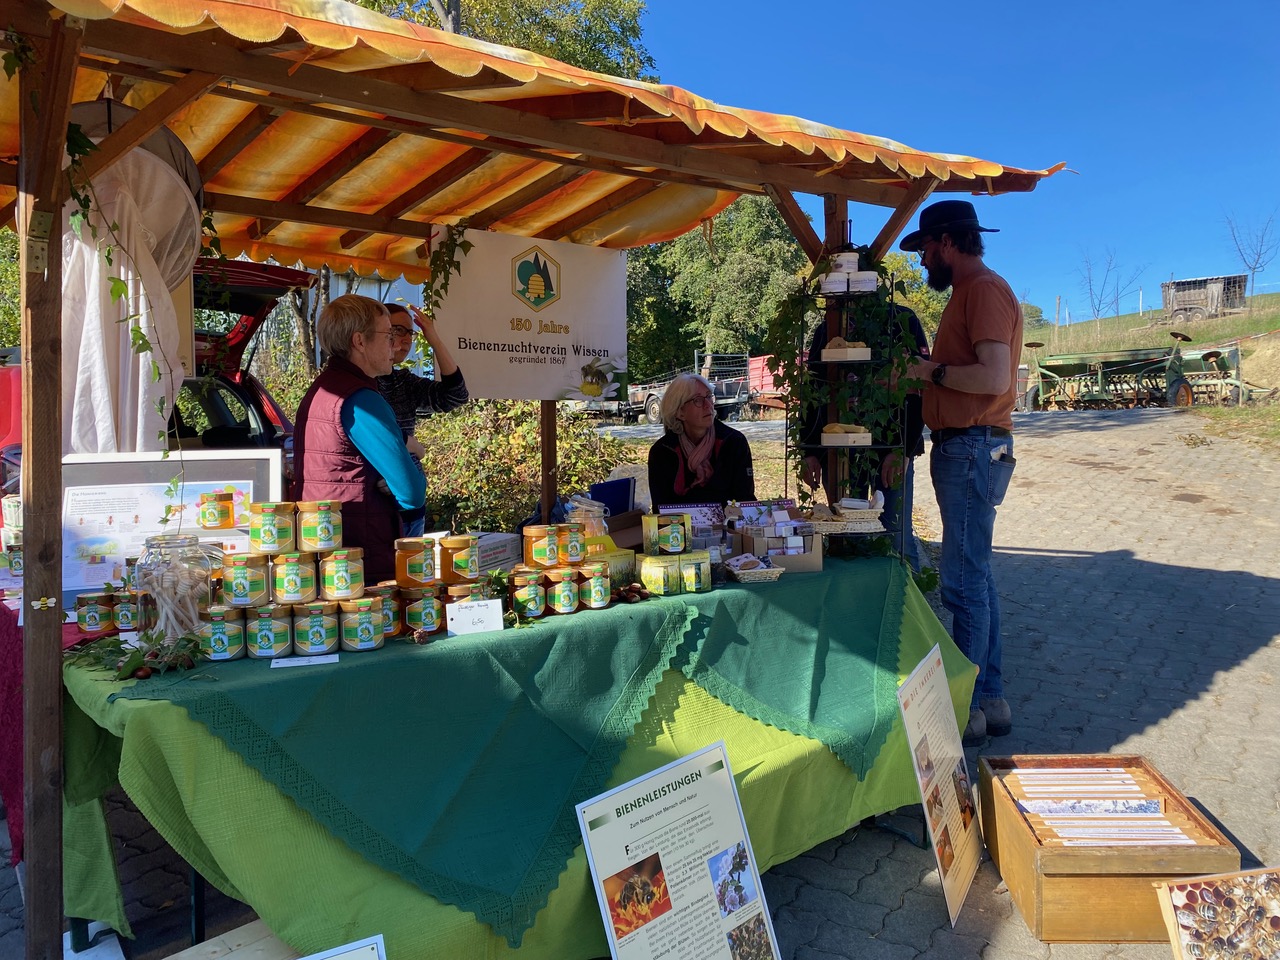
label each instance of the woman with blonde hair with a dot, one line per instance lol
(699, 459)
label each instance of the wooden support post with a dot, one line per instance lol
(547, 430)
(916, 195)
(797, 221)
(45, 101)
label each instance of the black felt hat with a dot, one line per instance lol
(943, 217)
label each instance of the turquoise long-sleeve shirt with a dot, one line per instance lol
(371, 424)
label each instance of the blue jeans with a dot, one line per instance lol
(896, 516)
(969, 485)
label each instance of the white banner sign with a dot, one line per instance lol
(536, 320)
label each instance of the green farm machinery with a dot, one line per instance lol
(1148, 377)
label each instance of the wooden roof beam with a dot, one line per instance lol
(281, 212)
(546, 184)
(129, 42)
(415, 196)
(594, 211)
(147, 121)
(915, 196)
(329, 172)
(596, 107)
(797, 221)
(255, 122)
(428, 77)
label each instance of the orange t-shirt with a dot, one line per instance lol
(983, 308)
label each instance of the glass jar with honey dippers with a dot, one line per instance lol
(528, 594)
(360, 623)
(459, 558)
(388, 592)
(217, 511)
(571, 544)
(272, 528)
(541, 549)
(293, 578)
(342, 574)
(268, 631)
(563, 590)
(315, 628)
(415, 561)
(244, 580)
(319, 525)
(94, 611)
(594, 590)
(222, 633)
(421, 609)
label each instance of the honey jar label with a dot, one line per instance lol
(243, 586)
(573, 548)
(92, 617)
(361, 631)
(315, 633)
(531, 600)
(599, 595)
(221, 641)
(268, 531)
(546, 552)
(124, 615)
(421, 566)
(294, 582)
(432, 614)
(671, 538)
(322, 533)
(390, 615)
(466, 563)
(211, 514)
(338, 579)
(564, 597)
(270, 636)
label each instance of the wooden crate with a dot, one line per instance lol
(1098, 893)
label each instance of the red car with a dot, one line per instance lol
(223, 406)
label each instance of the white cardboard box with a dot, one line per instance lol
(846, 439)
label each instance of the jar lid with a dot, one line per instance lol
(536, 529)
(285, 506)
(313, 506)
(379, 590)
(216, 497)
(316, 609)
(571, 525)
(280, 558)
(414, 543)
(596, 568)
(416, 593)
(271, 611)
(459, 541)
(168, 540)
(217, 613)
(244, 560)
(346, 553)
(525, 578)
(462, 589)
(360, 605)
(98, 597)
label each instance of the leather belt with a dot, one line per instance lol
(946, 433)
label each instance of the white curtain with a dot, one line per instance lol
(109, 390)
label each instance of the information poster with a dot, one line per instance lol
(673, 866)
(945, 786)
(537, 320)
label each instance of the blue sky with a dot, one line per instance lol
(1168, 112)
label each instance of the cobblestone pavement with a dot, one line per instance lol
(1137, 565)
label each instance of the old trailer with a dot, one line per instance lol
(1189, 301)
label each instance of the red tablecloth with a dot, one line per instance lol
(11, 717)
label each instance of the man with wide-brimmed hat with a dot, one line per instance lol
(969, 388)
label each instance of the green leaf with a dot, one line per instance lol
(138, 341)
(119, 289)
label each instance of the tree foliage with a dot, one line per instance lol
(10, 289)
(905, 272)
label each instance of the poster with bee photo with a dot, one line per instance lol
(530, 319)
(946, 788)
(673, 868)
(1223, 915)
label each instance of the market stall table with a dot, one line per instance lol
(414, 791)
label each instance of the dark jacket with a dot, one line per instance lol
(327, 466)
(670, 479)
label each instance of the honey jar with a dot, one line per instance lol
(319, 525)
(222, 633)
(293, 578)
(271, 528)
(541, 548)
(93, 611)
(360, 623)
(342, 574)
(463, 592)
(244, 579)
(315, 628)
(124, 615)
(388, 593)
(594, 590)
(421, 609)
(571, 544)
(562, 590)
(217, 511)
(528, 596)
(459, 558)
(415, 561)
(268, 631)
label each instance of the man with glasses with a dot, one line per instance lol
(346, 443)
(969, 390)
(412, 396)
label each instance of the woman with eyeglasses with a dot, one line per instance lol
(412, 396)
(699, 459)
(347, 445)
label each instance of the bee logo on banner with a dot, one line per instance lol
(555, 329)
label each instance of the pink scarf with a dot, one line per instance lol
(698, 455)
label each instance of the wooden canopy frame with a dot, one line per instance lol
(328, 134)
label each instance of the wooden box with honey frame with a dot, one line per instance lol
(1080, 856)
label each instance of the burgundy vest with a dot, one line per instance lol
(327, 466)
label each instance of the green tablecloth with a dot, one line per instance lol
(532, 718)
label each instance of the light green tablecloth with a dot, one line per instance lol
(314, 890)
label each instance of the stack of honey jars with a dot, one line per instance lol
(557, 577)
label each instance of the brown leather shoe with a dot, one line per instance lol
(975, 731)
(999, 719)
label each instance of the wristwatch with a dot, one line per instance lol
(939, 372)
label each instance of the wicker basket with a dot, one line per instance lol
(763, 575)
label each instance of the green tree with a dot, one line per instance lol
(656, 339)
(730, 279)
(913, 291)
(1032, 316)
(10, 287)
